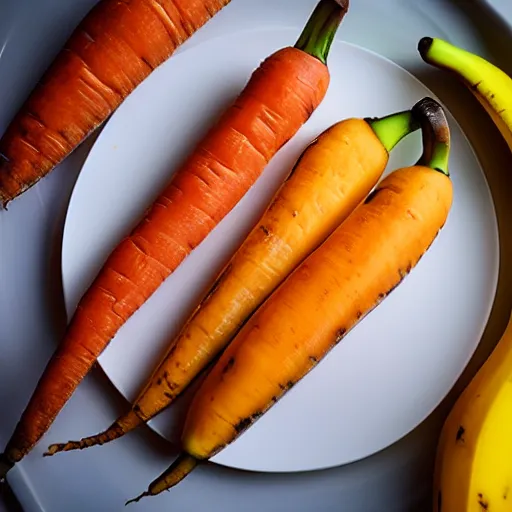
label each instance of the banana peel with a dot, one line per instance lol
(473, 470)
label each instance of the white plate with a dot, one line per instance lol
(395, 367)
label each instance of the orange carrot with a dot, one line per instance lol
(116, 46)
(333, 289)
(280, 96)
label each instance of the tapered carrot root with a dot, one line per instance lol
(116, 46)
(280, 96)
(365, 258)
(332, 176)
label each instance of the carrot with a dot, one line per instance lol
(280, 96)
(115, 47)
(332, 176)
(365, 258)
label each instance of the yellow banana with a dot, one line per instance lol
(473, 471)
(474, 457)
(490, 85)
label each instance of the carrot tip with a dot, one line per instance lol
(53, 449)
(138, 498)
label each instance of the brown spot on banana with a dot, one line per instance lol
(484, 504)
(459, 438)
(505, 492)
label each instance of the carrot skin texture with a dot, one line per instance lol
(280, 96)
(322, 300)
(115, 47)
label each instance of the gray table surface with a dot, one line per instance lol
(31, 309)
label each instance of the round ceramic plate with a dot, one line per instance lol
(393, 368)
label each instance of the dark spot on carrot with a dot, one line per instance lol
(340, 333)
(136, 408)
(265, 230)
(282, 387)
(459, 438)
(170, 384)
(409, 267)
(274, 399)
(392, 288)
(242, 425)
(295, 213)
(64, 136)
(146, 61)
(169, 395)
(159, 382)
(313, 359)
(215, 286)
(359, 314)
(371, 196)
(289, 385)
(228, 366)
(482, 502)
(439, 501)
(177, 364)
(256, 415)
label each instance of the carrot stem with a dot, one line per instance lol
(436, 134)
(391, 129)
(319, 32)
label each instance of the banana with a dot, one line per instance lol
(490, 85)
(473, 471)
